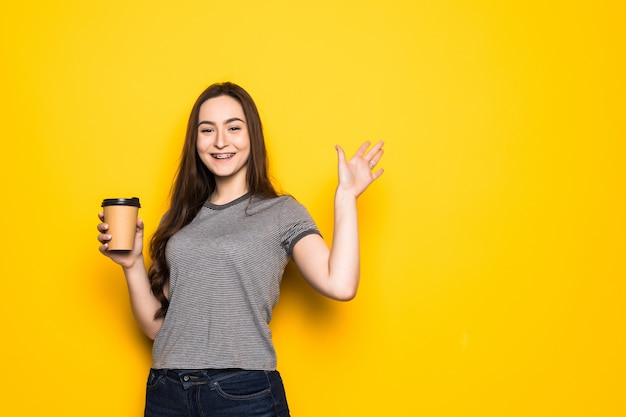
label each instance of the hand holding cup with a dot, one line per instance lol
(121, 230)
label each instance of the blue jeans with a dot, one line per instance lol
(215, 393)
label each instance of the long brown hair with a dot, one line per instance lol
(194, 183)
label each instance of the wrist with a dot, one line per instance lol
(344, 196)
(131, 265)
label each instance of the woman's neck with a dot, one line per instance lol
(226, 192)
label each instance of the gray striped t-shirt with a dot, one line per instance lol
(225, 272)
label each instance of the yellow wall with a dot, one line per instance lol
(493, 247)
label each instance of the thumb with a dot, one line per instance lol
(341, 156)
(140, 225)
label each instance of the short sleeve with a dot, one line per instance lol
(295, 223)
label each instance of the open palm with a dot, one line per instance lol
(357, 174)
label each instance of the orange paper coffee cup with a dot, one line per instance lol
(121, 216)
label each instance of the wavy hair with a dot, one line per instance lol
(194, 183)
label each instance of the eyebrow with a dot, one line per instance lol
(232, 119)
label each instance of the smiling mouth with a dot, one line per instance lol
(222, 155)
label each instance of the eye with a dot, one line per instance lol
(233, 128)
(207, 130)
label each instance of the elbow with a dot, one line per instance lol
(151, 335)
(347, 297)
(346, 289)
(152, 331)
(345, 294)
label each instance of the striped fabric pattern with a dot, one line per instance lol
(225, 272)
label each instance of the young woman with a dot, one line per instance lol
(218, 256)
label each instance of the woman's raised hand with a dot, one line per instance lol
(124, 258)
(358, 173)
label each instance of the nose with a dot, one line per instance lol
(220, 139)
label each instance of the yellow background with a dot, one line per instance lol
(493, 247)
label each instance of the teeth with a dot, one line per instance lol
(223, 155)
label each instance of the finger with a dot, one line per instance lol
(341, 155)
(102, 226)
(361, 151)
(104, 248)
(376, 158)
(104, 238)
(372, 153)
(377, 174)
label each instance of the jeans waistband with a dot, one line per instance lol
(198, 376)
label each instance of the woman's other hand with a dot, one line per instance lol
(124, 258)
(358, 173)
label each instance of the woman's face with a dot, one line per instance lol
(223, 139)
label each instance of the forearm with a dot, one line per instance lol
(344, 259)
(143, 303)
(335, 272)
